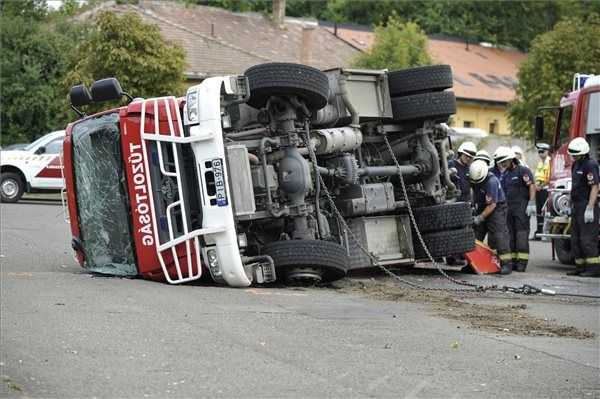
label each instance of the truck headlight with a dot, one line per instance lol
(193, 114)
(237, 86)
(213, 262)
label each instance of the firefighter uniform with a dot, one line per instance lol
(584, 236)
(496, 172)
(487, 192)
(461, 179)
(515, 182)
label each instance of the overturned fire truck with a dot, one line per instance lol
(285, 173)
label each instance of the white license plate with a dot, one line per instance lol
(221, 193)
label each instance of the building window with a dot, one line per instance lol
(468, 124)
(494, 127)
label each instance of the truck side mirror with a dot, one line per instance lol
(79, 96)
(539, 127)
(106, 90)
(40, 150)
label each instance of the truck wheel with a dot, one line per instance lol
(445, 243)
(436, 106)
(308, 261)
(443, 217)
(11, 187)
(284, 79)
(563, 251)
(420, 80)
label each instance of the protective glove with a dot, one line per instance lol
(530, 211)
(588, 216)
(478, 220)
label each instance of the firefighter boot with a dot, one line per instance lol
(577, 271)
(591, 270)
(520, 266)
(506, 267)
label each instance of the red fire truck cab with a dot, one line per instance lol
(145, 198)
(578, 115)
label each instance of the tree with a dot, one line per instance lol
(396, 46)
(33, 62)
(514, 23)
(571, 47)
(125, 47)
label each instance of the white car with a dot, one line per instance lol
(38, 166)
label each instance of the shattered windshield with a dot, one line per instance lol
(101, 193)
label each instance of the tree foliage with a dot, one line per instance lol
(571, 47)
(514, 23)
(125, 47)
(396, 46)
(33, 61)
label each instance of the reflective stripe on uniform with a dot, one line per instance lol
(522, 256)
(507, 256)
(592, 261)
(579, 261)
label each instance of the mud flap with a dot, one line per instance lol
(482, 259)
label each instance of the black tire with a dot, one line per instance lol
(284, 79)
(563, 251)
(443, 217)
(420, 80)
(11, 187)
(445, 243)
(437, 106)
(329, 257)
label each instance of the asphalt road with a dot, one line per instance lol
(65, 333)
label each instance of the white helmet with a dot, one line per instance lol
(499, 151)
(578, 146)
(483, 155)
(502, 154)
(478, 171)
(517, 150)
(468, 148)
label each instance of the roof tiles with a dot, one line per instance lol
(481, 72)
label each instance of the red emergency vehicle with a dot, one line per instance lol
(578, 115)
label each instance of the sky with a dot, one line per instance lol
(55, 4)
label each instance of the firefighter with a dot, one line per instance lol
(542, 180)
(484, 156)
(519, 155)
(490, 208)
(499, 153)
(460, 168)
(518, 184)
(584, 210)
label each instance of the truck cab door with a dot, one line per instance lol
(45, 165)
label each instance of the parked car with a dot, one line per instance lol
(36, 167)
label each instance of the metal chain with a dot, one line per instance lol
(418, 232)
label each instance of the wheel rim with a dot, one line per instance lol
(10, 188)
(304, 276)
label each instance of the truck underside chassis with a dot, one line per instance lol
(314, 183)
